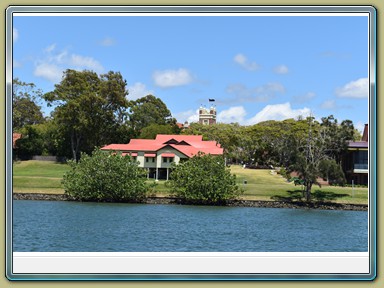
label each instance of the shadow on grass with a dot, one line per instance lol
(318, 196)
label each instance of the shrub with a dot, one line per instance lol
(105, 177)
(203, 179)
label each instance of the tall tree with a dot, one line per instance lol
(25, 110)
(148, 110)
(89, 108)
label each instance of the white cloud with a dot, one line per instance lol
(245, 63)
(256, 94)
(108, 42)
(328, 104)
(53, 63)
(172, 78)
(15, 33)
(50, 48)
(85, 62)
(354, 89)
(232, 115)
(48, 71)
(16, 64)
(138, 90)
(360, 127)
(304, 98)
(278, 112)
(281, 69)
(191, 116)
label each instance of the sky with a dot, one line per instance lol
(256, 67)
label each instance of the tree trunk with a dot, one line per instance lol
(75, 145)
(308, 188)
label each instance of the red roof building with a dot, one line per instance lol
(15, 136)
(157, 155)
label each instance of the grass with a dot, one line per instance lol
(265, 185)
(38, 177)
(45, 177)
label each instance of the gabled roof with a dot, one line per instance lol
(189, 145)
(163, 138)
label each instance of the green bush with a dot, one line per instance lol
(203, 179)
(105, 177)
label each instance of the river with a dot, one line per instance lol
(64, 226)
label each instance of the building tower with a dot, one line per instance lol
(207, 116)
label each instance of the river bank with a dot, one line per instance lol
(232, 203)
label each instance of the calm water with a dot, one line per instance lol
(59, 226)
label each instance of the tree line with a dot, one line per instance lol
(92, 110)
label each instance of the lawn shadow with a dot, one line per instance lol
(293, 195)
(322, 196)
(318, 196)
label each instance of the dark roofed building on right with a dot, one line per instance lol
(355, 164)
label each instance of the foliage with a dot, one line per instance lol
(227, 135)
(25, 110)
(31, 143)
(149, 110)
(105, 177)
(152, 130)
(337, 136)
(204, 179)
(332, 171)
(89, 108)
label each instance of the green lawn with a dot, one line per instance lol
(38, 177)
(45, 177)
(264, 184)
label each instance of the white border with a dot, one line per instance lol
(191, 263)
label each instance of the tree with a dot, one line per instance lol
(332, 172)
(227, 135)
(25, 110)
(204, 179)
(31, 143)
(310, 157)
(148, 110)
(337, 136)
(152, 130)
(105, 177)
(89, 108)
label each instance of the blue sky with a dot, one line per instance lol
(256, 67)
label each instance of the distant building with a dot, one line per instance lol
(183, 126)
(157, 155)
(355, 163)
(207, 116)
(15, 136)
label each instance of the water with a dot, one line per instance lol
(59, 226)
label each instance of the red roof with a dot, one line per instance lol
(15, 137)
(189, 145)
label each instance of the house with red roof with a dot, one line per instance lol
(157, 155)
(355, 163)
(15, 137)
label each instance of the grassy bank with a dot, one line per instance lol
(45, 177)
(38, 177)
